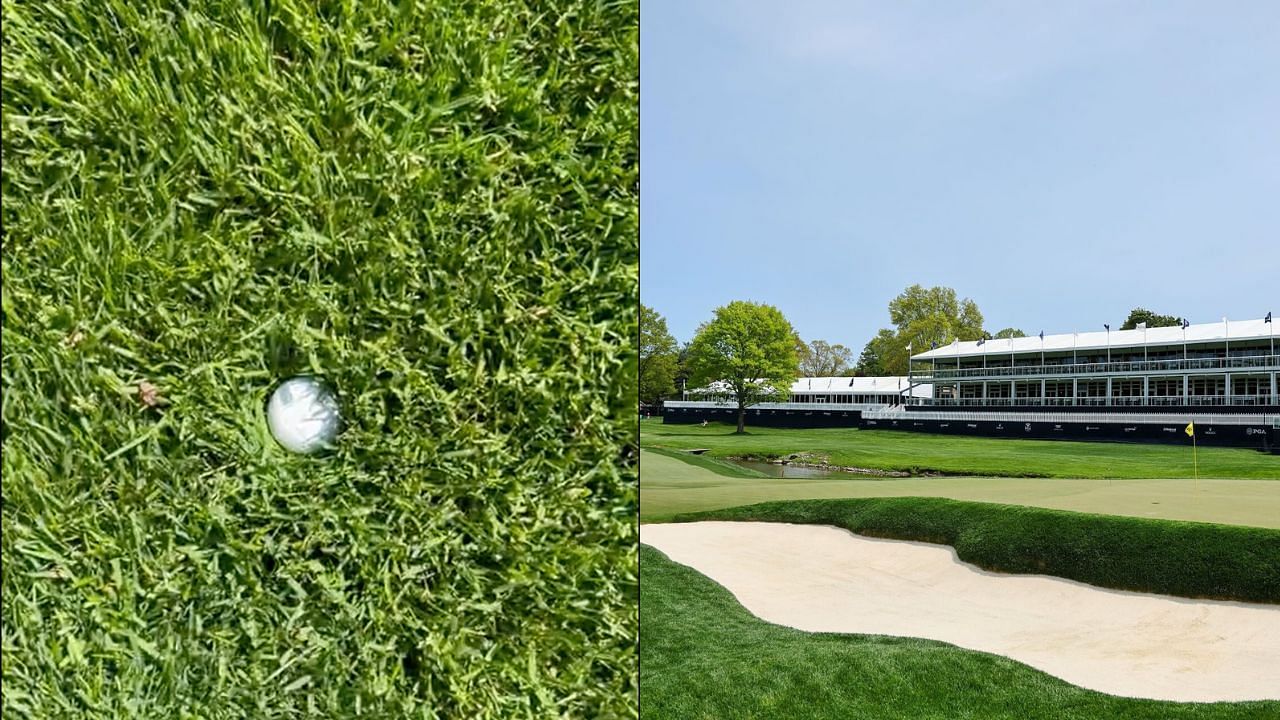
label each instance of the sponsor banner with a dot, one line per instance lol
(765, 418)
(1206, 434)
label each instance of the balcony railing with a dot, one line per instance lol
(1153, 401)
(1204, 417)
(1251, 362)
(729, 405)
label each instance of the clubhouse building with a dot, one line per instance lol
(813, 402)
(1212, 367)
(1141, 385)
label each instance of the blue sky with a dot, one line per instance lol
(1058, 162)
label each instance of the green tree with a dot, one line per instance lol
(658, 356)
(1009, 333)
(1152, 320)
(751, 348)
(682, 367)
(871, 361)
(925, 317)
(822, 359)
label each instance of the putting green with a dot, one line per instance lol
(669, 486)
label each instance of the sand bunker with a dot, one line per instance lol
(824, 579)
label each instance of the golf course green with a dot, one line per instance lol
(923, 453)
(670, 485)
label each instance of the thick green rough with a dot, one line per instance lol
(432, 205)
(1197, 560)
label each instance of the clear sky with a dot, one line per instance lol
(1058, 162)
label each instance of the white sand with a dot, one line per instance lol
(824, 579)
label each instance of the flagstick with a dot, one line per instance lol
(1195, 461)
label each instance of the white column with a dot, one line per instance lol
(1226, 391)
(1108, 391)
(1075, 391)
(1186, 388)
(1042, 400)
(1146, 389)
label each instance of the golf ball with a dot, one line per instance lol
(303, 415)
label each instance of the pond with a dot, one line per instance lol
(783, 471)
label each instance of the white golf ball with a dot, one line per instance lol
(303, 415)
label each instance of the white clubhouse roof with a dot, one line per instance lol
(854, 385)
(859, 385)
(1163, 336)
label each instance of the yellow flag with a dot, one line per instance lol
(1191, 429)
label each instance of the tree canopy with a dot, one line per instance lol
(658, 356)
(871, 361)
(751, 348)
(1138, 315)
(923, 317)
(1009, 333)
(822, 359)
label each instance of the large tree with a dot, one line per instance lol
(751, 349)
(1152, 320)
(871, 361)
(1009, 333)
(822, 359)
(658, 356)
(682, 367)
(923, 318)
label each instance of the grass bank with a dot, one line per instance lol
(921, 453)
(1195, 560)
(704, 657)
(712, 464)
(432, 205)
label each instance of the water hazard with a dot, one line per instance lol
(783, 471)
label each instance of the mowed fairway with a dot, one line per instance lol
(669, 486)
(921, 453)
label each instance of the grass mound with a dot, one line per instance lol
(705, 656)
(1197, 560)
(431, 206)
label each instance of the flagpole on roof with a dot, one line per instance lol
(1271, 331)
(909, 382)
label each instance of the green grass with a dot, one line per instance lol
(434, 206)
(928, 453)
(671, 484)
(704, 657)
(1196, 560)
(717, 466)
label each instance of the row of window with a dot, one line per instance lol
(1034, 359)
(878, 399)
(1120, 387)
